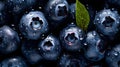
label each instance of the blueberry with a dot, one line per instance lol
(70, 61)
(112, 56)
(13, 62)
(71, 37)
(94, 46)
(107, 22)
(72, 10)
(18, 6)
(57, 10)
(33, 25)
(9, 40)
(30, 52)
(50, 48)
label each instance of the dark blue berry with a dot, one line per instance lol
(57, 10)
(30, 52)
(50, 48)
(71, 37)
(33, 25)
(18, 6)
(71, 61)
(107, 22)
(112, 56)
(9, 40)
(94, 46)
(13, 62)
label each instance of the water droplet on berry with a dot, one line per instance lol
(117, 22)
(94, 33)
(85, 44)
(33, 9)
(97, 19)
(12, 25)
(81, 38)
(40, 7)
(112, 9)
(116, 53)
(43, 35)
(50, 7)
(38, 48)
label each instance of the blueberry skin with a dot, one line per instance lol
(57, 10)
(96, 65)
(112, 56)
(94, 47)
(30, 52)
(73, 10)
(13, 62)
(72, 37)
(18, 6)
(50, 48)
(9, 40)
(33, 25)
(113, 3)
(71, 61)
(107, 22)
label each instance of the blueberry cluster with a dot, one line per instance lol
(44, 33)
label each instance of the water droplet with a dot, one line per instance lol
(43, 35)
(12, 25)
(116, 53)
(97, 19)
(72, 23)
(85, 44)
(94, 33)
(81, 38)
(38, 48)
(112, 9)
(50, 7)
(33, 9)
(40, 7)
(80, 30)
(108, 12)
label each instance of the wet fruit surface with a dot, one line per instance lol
(59, 33)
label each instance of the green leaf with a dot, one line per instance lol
(82, 16)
